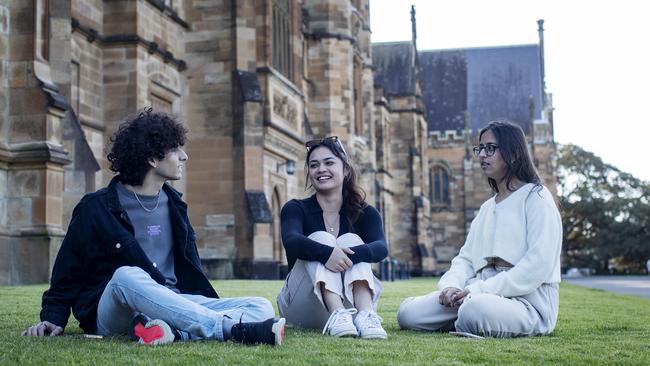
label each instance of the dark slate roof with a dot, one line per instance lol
(394, 67)
(490, 83)
(83, 158)
(443, 81)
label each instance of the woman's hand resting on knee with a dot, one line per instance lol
(446, 294)
(338, 260)
(452, 296)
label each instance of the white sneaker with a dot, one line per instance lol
(369, 325)
(340, 323)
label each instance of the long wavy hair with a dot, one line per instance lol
(141, 138)
(514, 151)
(354, 197)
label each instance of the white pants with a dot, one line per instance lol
(485, 314)
(301, 302)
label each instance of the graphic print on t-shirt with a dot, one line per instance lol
(153, 230)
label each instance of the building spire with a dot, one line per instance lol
(414, 34)
(416, 57)
(540, 30)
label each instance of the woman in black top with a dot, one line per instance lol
(330, 239)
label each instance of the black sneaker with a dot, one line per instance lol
(270, 331)
(151, 331)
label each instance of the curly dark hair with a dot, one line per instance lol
(140, 139)
(514, 151)
(354, 197)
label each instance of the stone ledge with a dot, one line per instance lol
(152, 47)
(39, 151)
(34, 231)
(220, 220)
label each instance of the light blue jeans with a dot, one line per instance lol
(132, 290)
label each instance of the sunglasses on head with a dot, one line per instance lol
(328, 140)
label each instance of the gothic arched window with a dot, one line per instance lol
(282, 37)
(439, 186)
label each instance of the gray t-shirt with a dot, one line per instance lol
(153, 229)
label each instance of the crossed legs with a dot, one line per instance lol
(132, 290)
(484, 314)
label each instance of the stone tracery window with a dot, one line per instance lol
(282, 37)
(439, 186)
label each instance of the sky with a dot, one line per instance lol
(597, 58)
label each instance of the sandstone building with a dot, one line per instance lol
(252, 80)
(459, 91)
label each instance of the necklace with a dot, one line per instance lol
(328, 226)
(147, 209)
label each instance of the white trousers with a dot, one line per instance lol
(301, 302)
(485, 314)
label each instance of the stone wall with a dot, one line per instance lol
(451, 222)
(31, 152)
(208, 111)
(408, 171)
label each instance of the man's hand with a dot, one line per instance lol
(43, 329)
(338, 260)
(447, 296)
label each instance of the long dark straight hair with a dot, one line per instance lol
(514, 151)
(354, 198)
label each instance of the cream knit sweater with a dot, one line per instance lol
(524, 229)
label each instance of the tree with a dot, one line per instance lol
(605, 212)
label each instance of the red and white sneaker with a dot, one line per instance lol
(151, 331)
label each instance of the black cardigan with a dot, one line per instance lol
(300, 218)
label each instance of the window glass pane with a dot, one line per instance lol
(439, 186)
(431, 187)
(436, 185)
(445, 188)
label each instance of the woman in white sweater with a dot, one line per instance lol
(504, 281)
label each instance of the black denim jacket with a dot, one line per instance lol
(100, 239)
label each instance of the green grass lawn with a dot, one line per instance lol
(595, 327)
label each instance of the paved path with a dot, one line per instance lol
(630, 285)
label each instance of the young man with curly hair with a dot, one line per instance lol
(129, 264)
